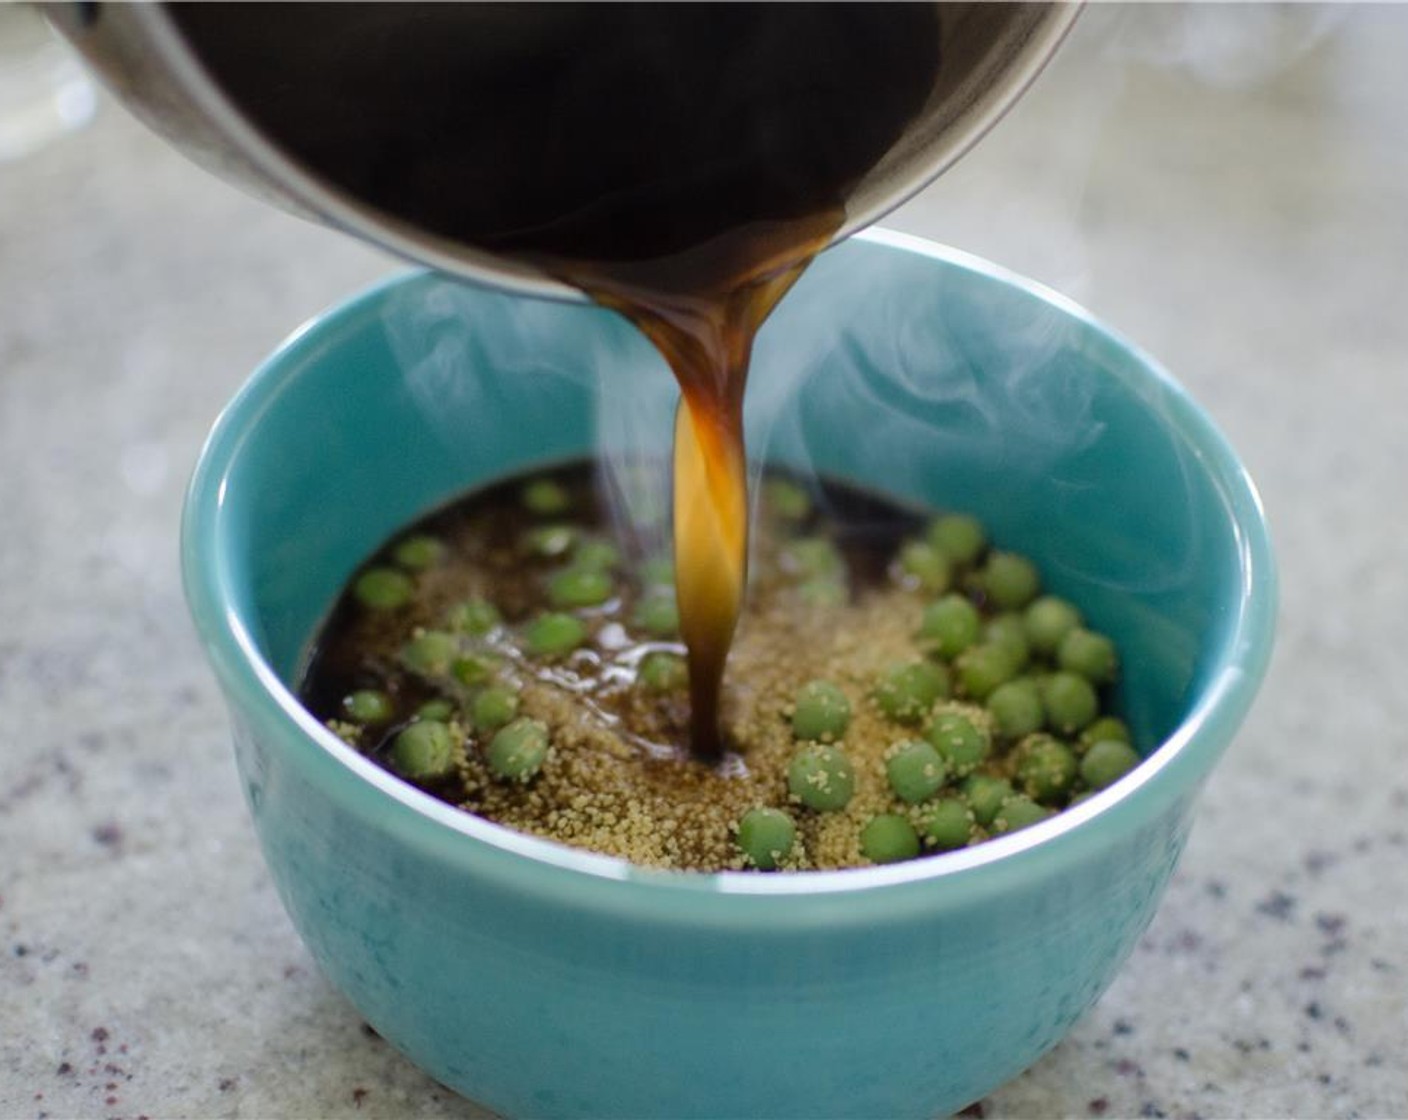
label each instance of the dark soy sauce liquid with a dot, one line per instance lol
(679, 163)
(483, 532)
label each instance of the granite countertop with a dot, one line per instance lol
(1226, 186)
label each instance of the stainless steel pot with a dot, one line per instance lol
(139, 51)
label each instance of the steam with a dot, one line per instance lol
(919, 380)
(911, 365)
(464, 350)
(1227, 46)
(865, 336)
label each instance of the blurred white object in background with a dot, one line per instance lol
(44, 91)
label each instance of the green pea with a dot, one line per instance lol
(786, 500)
(926, 566)
(906, 692)
(438, 710)
(960, 536)
(424, 750)
(663, 672)
(368, 705)
(766, 837)
(383, 589)
(579, 587)
(545, 497)
(419, 552)
(822, 712)
(888, 838)
(916, 771)
(1070, 702)
(475, 617)
(961, 743)
(814, 557)
(550, 541)
(949, 824)
(1016, 708)
(823, 593)
(430, 653)
(1106, 727)
(595, 554)
(985, 795)
(1046, 768)
(1048, 620)
(554, 635)
(1011, 581)
(658, 571)
(1018, 812)
(949, 626)
(980, 669)
(1107, 761)
(1090, 654)
(658, 615)
(821, 778)
(493, 708)
(475, 669)
(1008, 630)
(516, 752)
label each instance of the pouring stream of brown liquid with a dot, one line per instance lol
(706, 333)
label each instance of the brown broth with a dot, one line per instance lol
(485, 532)
(621, 750)
(835, 595)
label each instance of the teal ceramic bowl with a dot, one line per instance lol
(544, 981)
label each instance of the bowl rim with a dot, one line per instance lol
(248, 678)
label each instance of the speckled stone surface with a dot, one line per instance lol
(1227, 186)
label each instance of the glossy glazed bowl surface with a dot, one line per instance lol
(541, 980)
